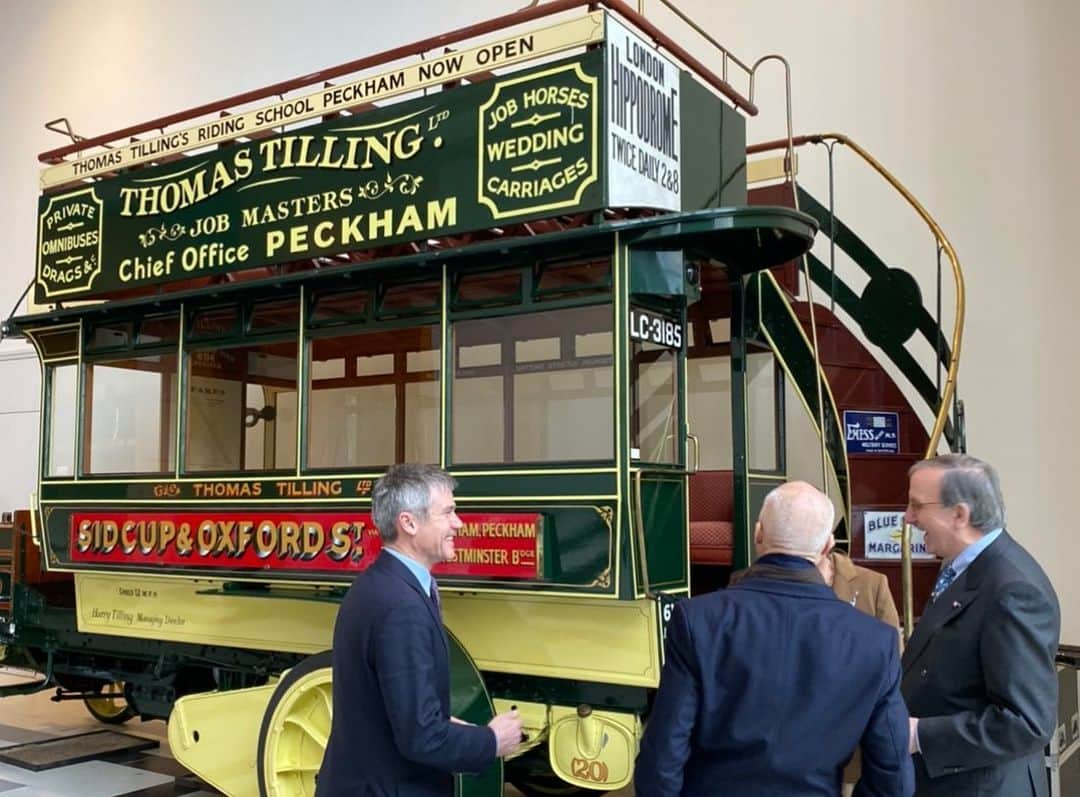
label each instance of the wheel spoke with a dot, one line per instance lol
(308, 726)
(327, 697)
(292, 769)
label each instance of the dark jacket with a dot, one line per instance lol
(767, 688)
(979, 673)
(391, 734)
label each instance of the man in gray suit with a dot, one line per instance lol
(979, 677)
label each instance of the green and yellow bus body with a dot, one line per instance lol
(495, 278)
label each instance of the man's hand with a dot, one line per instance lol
(507, 729)
(913, 735)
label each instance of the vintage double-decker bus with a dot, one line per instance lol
(533, 259)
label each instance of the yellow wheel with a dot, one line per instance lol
(295, 729)
(110, 706)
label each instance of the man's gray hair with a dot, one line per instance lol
(972, 482)
(405, 488)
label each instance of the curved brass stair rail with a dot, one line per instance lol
(958, 330)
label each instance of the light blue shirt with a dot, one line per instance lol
(423, 575)
(964, 559)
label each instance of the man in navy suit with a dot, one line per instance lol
(392, 734)
(768, 686)
(979, 675)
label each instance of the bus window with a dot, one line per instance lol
(655, 416)
(128, 415)
(374, 399)
(534, 388)
(708, 385)
(761, 412)
(63, 396)
(241, 407)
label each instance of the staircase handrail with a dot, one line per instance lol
(942, 240)
(958, 327)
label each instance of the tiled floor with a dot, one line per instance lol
(32, 718)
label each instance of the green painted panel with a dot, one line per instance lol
(664, 508)
(435, 165)
(713, 150)
(657, 272)
(470, 701)
(287, 490)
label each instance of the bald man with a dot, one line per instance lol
(769, 686)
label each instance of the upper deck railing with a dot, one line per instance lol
(82, 146)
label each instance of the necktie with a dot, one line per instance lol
(946, 577)
(434, 594)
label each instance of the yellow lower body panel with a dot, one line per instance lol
(584, 638)
(216, 736)
(182, 610)
(588, 639)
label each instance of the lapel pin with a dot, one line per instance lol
(956, 604)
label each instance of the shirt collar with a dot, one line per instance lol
(964, 559)
(422, 574)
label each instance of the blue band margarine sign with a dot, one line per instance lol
(872, 432)
(881, 537)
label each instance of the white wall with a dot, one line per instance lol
(967, 102)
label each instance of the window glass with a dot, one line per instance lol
(159, 329)
(489, 288)
(212, 322)
(63, 399)
(654, 420)
(560, 280)
(278, 315)
(111, 335)
(340, 307)
(761, 387)
(708, 384)
(523, 391)
(241, 408)
(128, 415)
(374, 399)
(411, 298)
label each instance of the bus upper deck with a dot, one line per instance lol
(533, 261)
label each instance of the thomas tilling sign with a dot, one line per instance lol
(601, 129)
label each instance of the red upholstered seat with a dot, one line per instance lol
(712, 532)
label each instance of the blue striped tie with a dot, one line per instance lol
(946, 577)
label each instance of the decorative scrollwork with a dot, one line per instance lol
(602, 580)
(607, 514)
(405, 184)
(155, 234)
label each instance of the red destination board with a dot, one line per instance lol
(488, 545)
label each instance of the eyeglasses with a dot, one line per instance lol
(915, 506)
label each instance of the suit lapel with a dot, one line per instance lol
(954, 601)
(389, 563)
(950, 604)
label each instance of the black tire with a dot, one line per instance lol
(305, 668)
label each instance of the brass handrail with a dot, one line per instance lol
(949, 389)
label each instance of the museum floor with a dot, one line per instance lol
(151, 773)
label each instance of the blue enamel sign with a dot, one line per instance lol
(872, 432)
